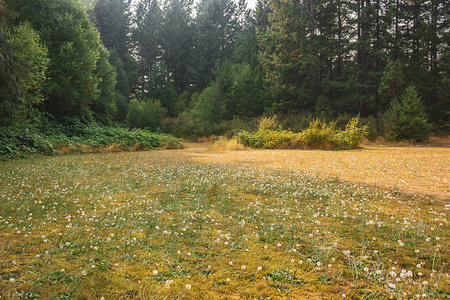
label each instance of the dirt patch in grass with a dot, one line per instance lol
(423, 170)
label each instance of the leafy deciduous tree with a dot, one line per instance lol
(23, 62)
(73, 49)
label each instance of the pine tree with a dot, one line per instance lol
(391, 86)
(146, 38)
(406, 119)
(159, 87)
(287, 59)
(216, 26)
(112, 19)
(177, 41)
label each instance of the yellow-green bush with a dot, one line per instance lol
(268, 123)
(352, 136)
(319, 135)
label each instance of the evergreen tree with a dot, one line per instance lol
(177, 41)
(160, 87)
(248, 90)
(145, 114)
(261, 14)
(216, 26)
(123, 82)
(406, 119)
(146, 38)
(286, 58)
(391, 86)
(112, 19)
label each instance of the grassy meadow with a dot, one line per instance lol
(198, 223)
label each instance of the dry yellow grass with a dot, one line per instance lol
(422, 170)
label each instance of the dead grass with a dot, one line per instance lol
(422, 170)
(224, 144)
(433, 141)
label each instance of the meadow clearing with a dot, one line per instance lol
(199, 223)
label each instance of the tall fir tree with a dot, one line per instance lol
(216, 26)
(113, 20)
(287, 56)
(146, 39)
(177, 41)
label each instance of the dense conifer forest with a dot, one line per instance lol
(209, 67)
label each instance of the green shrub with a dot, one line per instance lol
(319, 135)
(268, 123)
(98, 136)
(76, 136)
(269, 135)
(267, 139)
(280, 139)
(207, 107)
(191, 127)
(248, 139)
(146, 114)
(406, 119)
(352, 136)
(15, 142)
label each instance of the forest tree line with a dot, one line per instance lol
(114, 61)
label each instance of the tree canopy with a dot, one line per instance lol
(89, 58)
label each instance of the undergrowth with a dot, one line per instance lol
(319, 135)
(75, 137)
